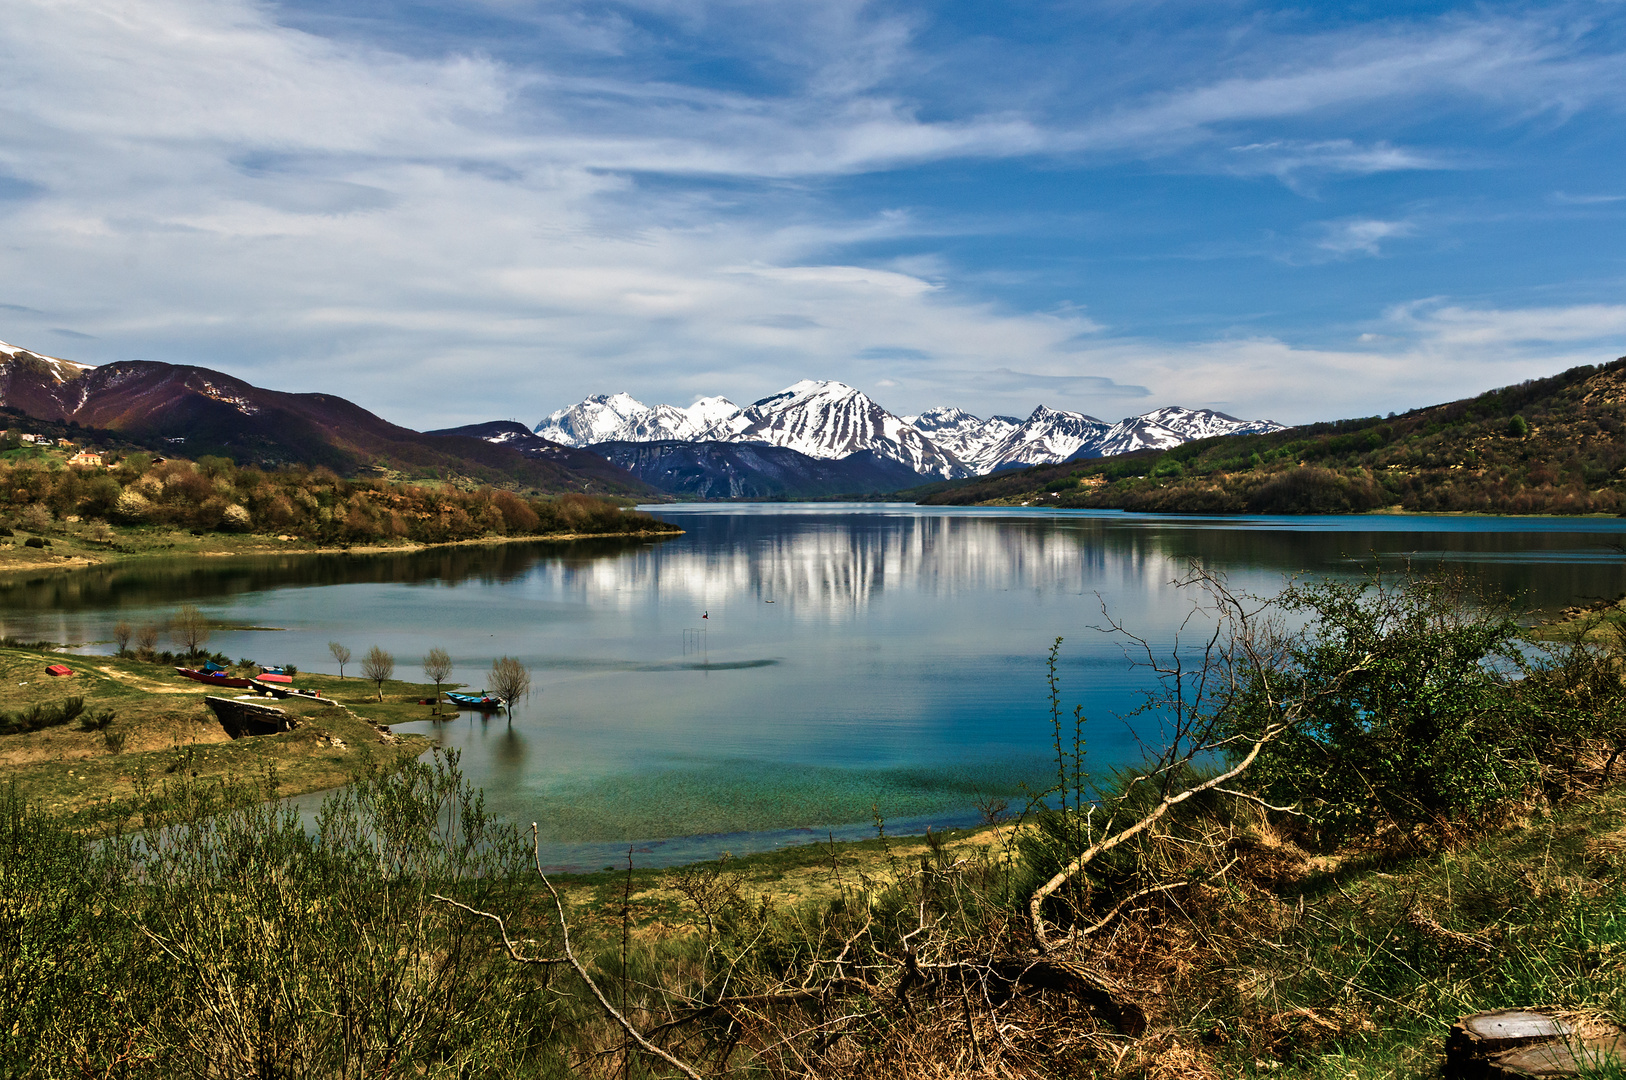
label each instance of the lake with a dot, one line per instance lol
(784, 671)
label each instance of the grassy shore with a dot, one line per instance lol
(161, 730)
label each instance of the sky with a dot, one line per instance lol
(455, 212)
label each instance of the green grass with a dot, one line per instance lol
(163, 730)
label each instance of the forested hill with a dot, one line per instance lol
(1547, 446)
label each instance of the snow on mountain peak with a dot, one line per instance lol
(61, 369)
(826, 419)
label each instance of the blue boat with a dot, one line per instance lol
(475, 701)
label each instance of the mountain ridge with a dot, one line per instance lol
(830, 420)
(210, 412)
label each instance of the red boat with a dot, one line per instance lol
(214, 680)
(274, 676)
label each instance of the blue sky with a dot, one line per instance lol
(459, 212)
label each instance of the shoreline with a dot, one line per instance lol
(11, 564)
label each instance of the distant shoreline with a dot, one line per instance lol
(16, 560)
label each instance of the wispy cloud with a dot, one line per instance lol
(1291, 160)
(1568, 199)
(1452, 325)
(1361, 237)
(231, 183)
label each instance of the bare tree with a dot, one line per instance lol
(510, 680)
(341, 654)
(146, 640)
(121, 636)
(378, 665)
(190, 628)
(437, 665)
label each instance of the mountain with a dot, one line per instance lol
(1547, 446)
(1168, 427)
(967, 437)
(623, 418)
(1046, 435)
(721, 470)
(30, 381)
(209, 412)
(832, 420)
(1206, 423)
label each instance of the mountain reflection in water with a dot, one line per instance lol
(898, 666)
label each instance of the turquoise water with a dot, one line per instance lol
(899, 667)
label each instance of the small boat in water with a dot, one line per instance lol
(474, 701)
(214, 679)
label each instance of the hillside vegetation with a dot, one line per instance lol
(113, 506)
(1219, 910)
(1547, 446)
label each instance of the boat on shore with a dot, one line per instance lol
(475, 701)
(215, 678)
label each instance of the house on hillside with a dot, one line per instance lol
(31, 438)
(86, 457)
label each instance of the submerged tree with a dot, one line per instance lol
(510, 680)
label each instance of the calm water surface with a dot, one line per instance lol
(779, 670)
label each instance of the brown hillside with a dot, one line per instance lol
(215, 413)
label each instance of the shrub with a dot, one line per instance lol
(1413, 720)
(236, 519)
(131, 506)
(34, 542)
(38, 717)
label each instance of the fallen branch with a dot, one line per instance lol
(1084, 858)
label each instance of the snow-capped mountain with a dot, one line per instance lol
(1170, 426)
(967, 437)
(1130, 434)
(623, 418)
(832, 420)
(1045, 436)
(61, 370)
(1206, 423)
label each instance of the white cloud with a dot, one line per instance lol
(1450, 325)
(1361, 236)
(442, 238)
(1289, 160)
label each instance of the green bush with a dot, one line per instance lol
(1413, 716)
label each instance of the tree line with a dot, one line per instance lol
(213, 494)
